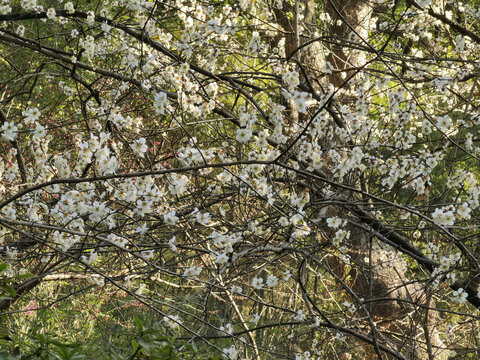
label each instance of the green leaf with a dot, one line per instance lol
(139, 323)
(145, 344)
(70, 351)
(42, 338)
(135, 345)
(10, 290)
(4, 355)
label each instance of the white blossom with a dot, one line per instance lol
(172, 321)
(272, 281)
(9, 130)
(257, 283)
(230, 353)
(300, 316)
(192, 271)
(69, 7)
(139, 147)
(459, 296)
(444, 216)
(243, 135)
(170, 218)
(221, 258)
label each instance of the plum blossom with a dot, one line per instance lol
(9, 130)
(327, 68)
(224, 177)
(9, 212)
(257, 283)
(178, 184)
(172, 321)
(88, 44)
(40, 132)
(255, 318)
(283, 221)
(28, 4)
(254, 45)
(143, 207)
(444, 216)
(300, 316)
(99, 211)
(21, 30)
(192, 271)
(146, 254)
(51, 14)
(228, 328)
(236, 289)
(117, 240)
(5, 9)
(161, 100)
(90, 18)
(334, 222)
(134, 4)
(459, 296)
(272, 281)
(230, 353)
(142, 229)
(291, 79)
(139, 147)
(296, 219)
(31, 115)
(171, 244)
(243, 135)
(305, 356)
(424, 3)
(221, 258)
(202, 218)
(340, 235)
(70, 7)
(444, 123)
(91, 258)
(170, 218)
(463, 211)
